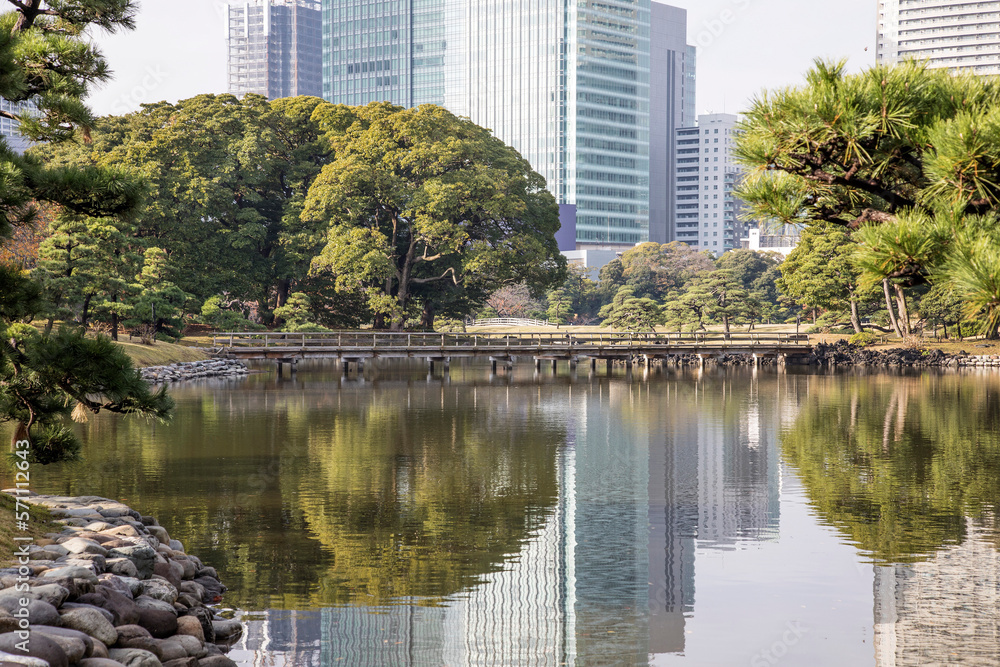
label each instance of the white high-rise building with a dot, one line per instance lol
(274, 48)
(576, 86)
(707, 213)
(956, 35)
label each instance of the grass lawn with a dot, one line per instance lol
(161, 353)
(39, 523)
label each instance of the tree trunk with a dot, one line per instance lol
(85, 312)
(904, 315)
(20, 433)
(888, 305)
(378, 322)
(284, 286)
(814, 317)
(725, 323)
(855, 317)
(114, 321)
(427, 317)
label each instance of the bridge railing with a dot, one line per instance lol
(385, 340)
(509, 322)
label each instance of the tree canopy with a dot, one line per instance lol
(905, 159)
(47, 58)
(427, 209)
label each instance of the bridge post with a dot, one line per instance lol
(593, 364)
(701, 361)
(361, 366)
(538, 364)
(493, 366)
(609, 364)
(281, 367)
(430, 366)
(628, 362)
(649, 362)
(554, 362)
(447, 365)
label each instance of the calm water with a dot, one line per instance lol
(728, 517)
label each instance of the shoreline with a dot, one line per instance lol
(110, 589)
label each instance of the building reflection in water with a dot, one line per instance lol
(941, 611)
(650, 473)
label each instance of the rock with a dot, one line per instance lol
(13, 594)
(98, 561)
(161, 624)
(187, 601)
(176, 545)
(68, 606)
(100, 650)
(146, 602)
(79, 545)
(226, 629)
(160, 589)
(194, 589)
(191, 627)
(91, 622)
(99, 662)
(122, 609)
(142, 556)
(39, 611)
(213, 588)
(7, 622)
(73, 644)
(191, 645)
(204, 617)
(40, 646)
(22, 660)
(160, 533)
(122, 566)
(189, 567)
(146, 644)
(134, 657)
(122, 531)
(72, 572)
(182, 662)
(54, 594)
(126, 632)
(216, 661)
(208, 572)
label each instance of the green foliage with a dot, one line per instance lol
(420, 206)
(215, 314)
(629, 313)
(46, 56)
(863, 339)
(298, 315)
(911, 461)
(718, 297)
(906, 156)
(560, 306)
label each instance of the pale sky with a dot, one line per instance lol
(744, 46)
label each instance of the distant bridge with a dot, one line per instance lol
(504, 348)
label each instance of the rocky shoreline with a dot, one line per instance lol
(842, 353)
(193, 370)
(110, 590)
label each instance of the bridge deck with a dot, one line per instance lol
(366, 345)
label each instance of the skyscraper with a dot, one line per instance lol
(566, 83)
(707, 213)
(956, 35)
(274, 48)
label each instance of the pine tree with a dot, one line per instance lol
(46, 56)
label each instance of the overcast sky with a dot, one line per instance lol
(744, 46)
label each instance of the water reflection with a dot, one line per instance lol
(528, 519)
(899, 462)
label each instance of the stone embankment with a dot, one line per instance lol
(110, 589)
(844, 354)
(193, 370)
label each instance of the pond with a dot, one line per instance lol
(723, 516)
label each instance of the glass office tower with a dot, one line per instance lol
(565, 82)
(274, 48)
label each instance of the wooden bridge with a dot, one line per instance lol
(504, 348)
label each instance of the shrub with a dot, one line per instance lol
(863, 339)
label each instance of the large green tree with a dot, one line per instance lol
(227, 180)
(426, 210)
(910, 157)
(47, 56)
